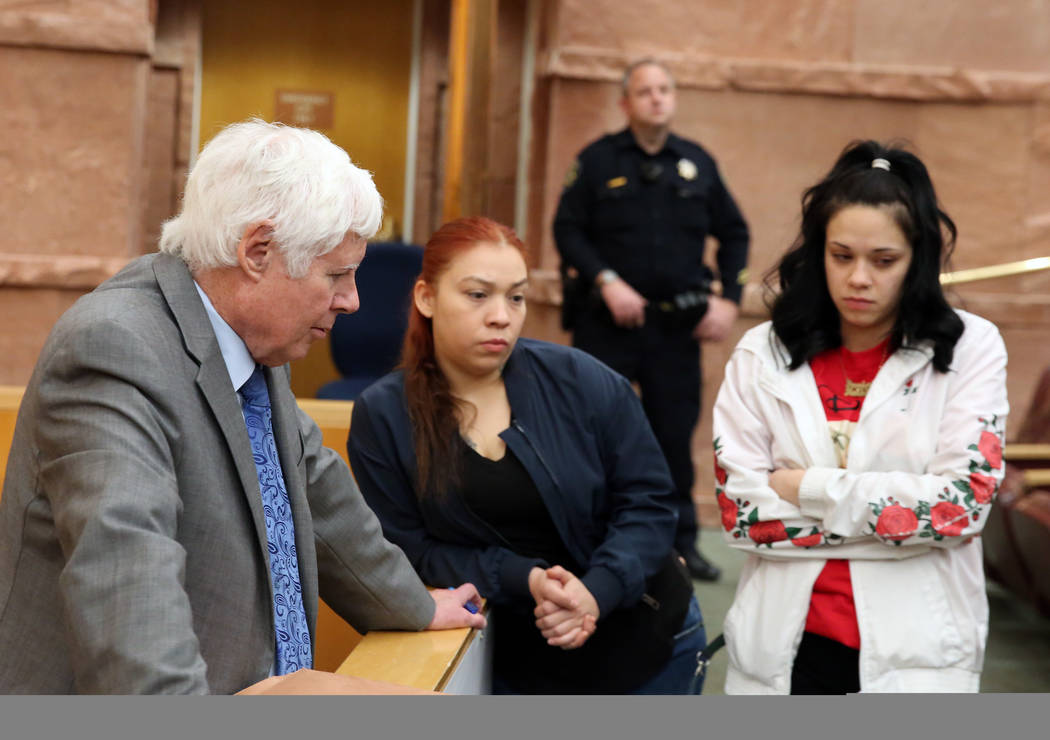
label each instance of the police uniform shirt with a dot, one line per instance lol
(647, 216)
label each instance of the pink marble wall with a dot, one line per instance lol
(775, 90)
(93, 142)
(73, 174)
(120, 26)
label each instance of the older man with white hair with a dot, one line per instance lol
(169, 515)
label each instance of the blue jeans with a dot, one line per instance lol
(676, 676)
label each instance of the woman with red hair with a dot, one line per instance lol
(529, 470)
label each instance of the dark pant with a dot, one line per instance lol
(677, 677)
(665, 362)
(825, 666)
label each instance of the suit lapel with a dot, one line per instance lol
(290, 448)
(213, 379)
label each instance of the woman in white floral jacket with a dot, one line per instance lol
(858, 440)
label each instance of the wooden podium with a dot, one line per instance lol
(423, 663)
(450, 661)
(320, 683)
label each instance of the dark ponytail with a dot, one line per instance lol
(805, 319)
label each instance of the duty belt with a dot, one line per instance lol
(689, 301)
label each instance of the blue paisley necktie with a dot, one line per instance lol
(289, 616)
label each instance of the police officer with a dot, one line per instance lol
(630, 228)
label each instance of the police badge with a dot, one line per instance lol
(686, 169)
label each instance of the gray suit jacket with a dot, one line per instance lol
(133, 552)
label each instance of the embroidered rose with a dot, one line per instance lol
(809, 541)
(766, 533)
(896, 523)
(720, 473)
(983, 487)
(948, 519)
(991, 448)
(729, 511)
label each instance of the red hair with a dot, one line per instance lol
(432, 409)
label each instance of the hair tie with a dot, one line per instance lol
(882, 164)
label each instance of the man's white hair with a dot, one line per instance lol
(254, 170)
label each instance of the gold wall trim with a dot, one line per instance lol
(1003, 309)
(70, 272)
(1005, 269)
(921, 83)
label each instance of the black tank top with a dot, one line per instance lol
(502, 493)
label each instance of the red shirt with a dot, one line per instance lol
(832, 612)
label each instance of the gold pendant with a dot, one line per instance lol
(857, 390)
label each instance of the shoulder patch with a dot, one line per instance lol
(572, 174)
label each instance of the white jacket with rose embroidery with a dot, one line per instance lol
(925, 461)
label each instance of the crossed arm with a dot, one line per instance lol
(770, 504)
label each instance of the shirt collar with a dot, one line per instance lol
(678, 146)
(625, 139)
(239, 362)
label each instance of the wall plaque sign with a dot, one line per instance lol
(307, 108)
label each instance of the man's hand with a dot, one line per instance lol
(717, 321)
(626, 305)
(450, 612)
(786, 483)
(565, 626)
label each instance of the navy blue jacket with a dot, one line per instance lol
(580, 432)
(650, 230)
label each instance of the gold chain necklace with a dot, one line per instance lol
(856, 389)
